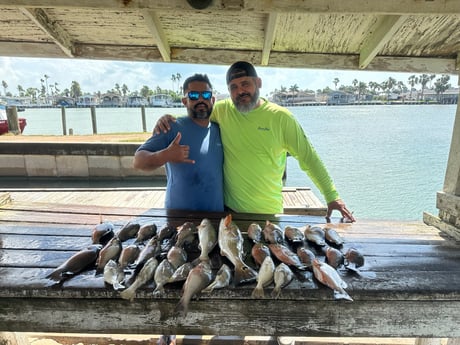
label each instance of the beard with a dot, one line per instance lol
(247, 107)
(201, 113)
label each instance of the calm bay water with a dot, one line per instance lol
(388, 162)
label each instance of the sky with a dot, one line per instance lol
(102, 75)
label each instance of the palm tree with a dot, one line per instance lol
(178, 78)
(441, 85)
(336, 81)
(173, 79)
(412, 80)
(46, 83)
(362, 87)
(5, 86)
(124, 90)
(423, 80)
(294, 89)
(75, 90)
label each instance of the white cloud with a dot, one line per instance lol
(98, 75)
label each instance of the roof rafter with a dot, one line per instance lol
(57, 34)
(154, 25)
(270, 30)
(384, 30)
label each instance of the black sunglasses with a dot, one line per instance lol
(195, 95)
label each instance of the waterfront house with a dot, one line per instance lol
(340, 97)
(136, 101)
(111, 99)
(161, 100)
(87, 101)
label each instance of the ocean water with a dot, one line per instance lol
(387, 161)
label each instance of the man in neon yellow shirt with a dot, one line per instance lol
(257, 135)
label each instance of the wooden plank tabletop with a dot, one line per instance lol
(408, 286)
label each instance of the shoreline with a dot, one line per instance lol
(139, 137)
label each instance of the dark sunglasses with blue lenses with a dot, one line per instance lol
(195, 95)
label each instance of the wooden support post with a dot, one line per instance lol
(93, 119)
(13, 120)
(64, 122)
(144, 123)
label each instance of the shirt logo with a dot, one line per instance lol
(263, 129)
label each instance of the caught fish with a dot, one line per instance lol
(185, 234)
(199, 277)
(163, 272)
(284, 254)
(145, 274)
(353, 259)
(129, 230)
(255, 232)
(293, 234)
(114, 275)
(282, 277)
(259, 252)
(264, 277)
(77, 263)
(222, 279)
(328, 276)
(306, 256)
(152, 249)
(177, 256)
(102, 233)
(181, 273)
(273, 233)
(166, 231)
(316, 235)
(334, 257)
(207, 236)
(128, 255)
(110, 251)
(146, 232)
(231, 246)
(333, 237)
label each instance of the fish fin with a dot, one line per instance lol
(258, 292)
(55, 275)
(342, 295)
(228, 219)
(181, 308)
(276, 292)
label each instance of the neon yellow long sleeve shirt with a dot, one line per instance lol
(255, 149)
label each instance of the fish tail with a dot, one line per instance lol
(258, 292)
(276, 292)
(209, 288)
(118, 286)
(128, 294)
(55, 275)
(181, 308)
(342, 295)
(244, 274)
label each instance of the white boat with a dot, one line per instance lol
(161, 100)
(4, 128)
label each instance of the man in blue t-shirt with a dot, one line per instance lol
(192, 152)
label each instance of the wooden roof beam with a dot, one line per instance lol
(384, 30)
(393, 7)
(270, 30)
(57, 34)
(154, 25)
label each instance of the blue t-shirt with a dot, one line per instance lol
(198, 186)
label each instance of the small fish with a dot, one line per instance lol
(231, 246)
(259, 252)
(166, 231)
(273, 233)
(334, 257)
(264, 277)
(316, 235)
(185, 234)
(177, 256)
(306, 256)
(293, 234)
(283, 276)
(199, 277)
(111, 250)
(152, 249)
(353, 259)
(333, 237)
(129, 230)
(181, 273)
(328, 276)
(207, 236)
(114, 275)
(146, 232)
(128, 255)
(222, 279)
(102, 233)
(77, 263)
(163, 272)
(255, 232)
(284, 254)
(144, 275)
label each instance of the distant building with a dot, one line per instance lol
(87, 101)
(136, 101)
(111, 100)
(340, 97)
(161, 100)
